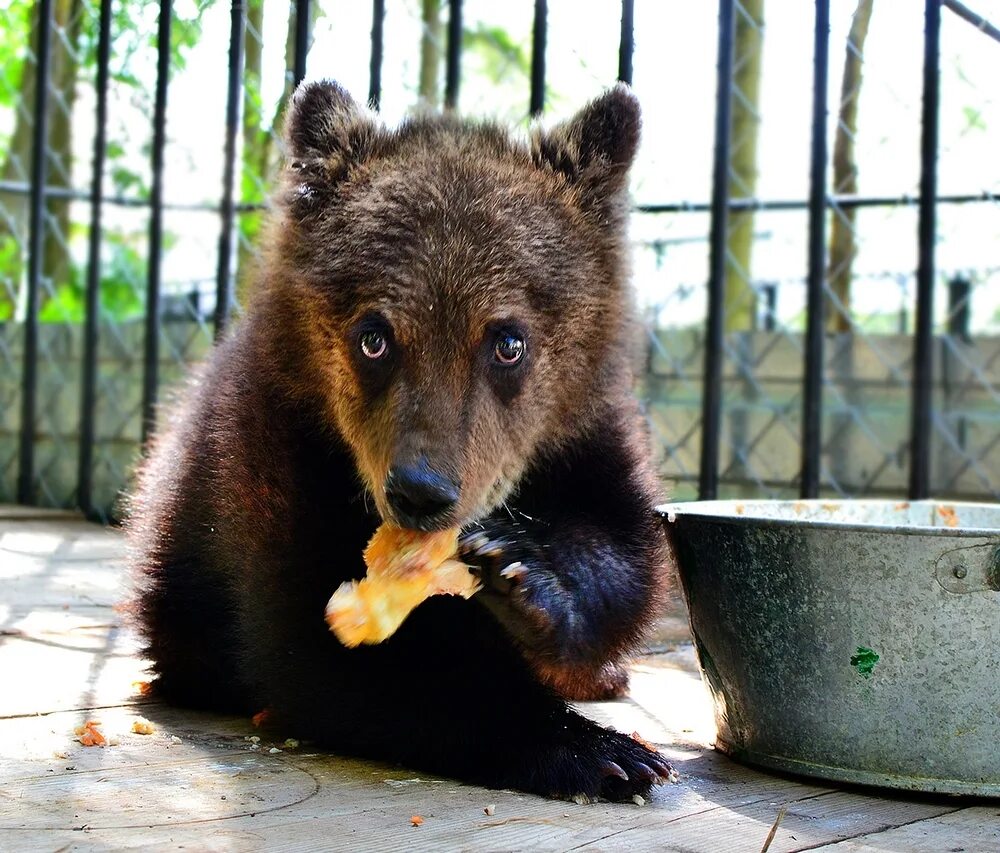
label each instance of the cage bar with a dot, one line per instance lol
(375, 65)
(88, 398)
(711, 410)
(626, 47)
(151, 355)
(539, 37)
(923, 354)
(303, 23)
(36, 250)
(453, 56)
(812, 392)
(234, 92)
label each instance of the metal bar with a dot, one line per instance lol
(88, 398)
(302, 28)
(812, 381)
(375, 67)
(959, 296)
(770, 293)
(539, 37)
(923, 355)
(36, 251)
(832, 201)
(711, 411)
(978, 21)
(835, 201)
(453, 56)
(151, 350)
(234, 91)
(626, 47)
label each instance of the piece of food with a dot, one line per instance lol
(89, 735)
(949, 516)
(142, 726)
(404, 568)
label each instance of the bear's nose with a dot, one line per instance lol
(419, 495)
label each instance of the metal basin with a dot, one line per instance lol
(856, 641)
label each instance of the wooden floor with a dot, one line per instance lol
(199, 783)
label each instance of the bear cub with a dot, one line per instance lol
(440, 337)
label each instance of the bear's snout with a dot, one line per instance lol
(419, 496)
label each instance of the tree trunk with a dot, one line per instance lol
(741, 298)
(251, 177)
(17, 169)
(68, 15)
(843, 247)
(430, 53)
(260, 154)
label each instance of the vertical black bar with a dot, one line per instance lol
(36, 241)
(959, 294)
(539, 36)
(151, 355)
(923, 356)
(711, 409)
(302, 21)
(88, 397)
(812, 392)
(375, 68)
(626, 46)
(453, 59)
(770, 293)
(223, 278)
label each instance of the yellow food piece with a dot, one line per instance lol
(142, 726)
(404, 568)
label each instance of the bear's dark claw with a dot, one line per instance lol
(515, 572)
(648, 774)
(613, 769)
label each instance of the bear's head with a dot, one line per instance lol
(462, 293)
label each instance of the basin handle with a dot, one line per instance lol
(974, 568)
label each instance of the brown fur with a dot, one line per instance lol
(254, 505)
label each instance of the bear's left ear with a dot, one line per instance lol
(596, 147)
(326, 133)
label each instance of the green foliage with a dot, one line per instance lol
(123, 273)
(10, 271)
(499, 52)
(13, 48)
(973, 119)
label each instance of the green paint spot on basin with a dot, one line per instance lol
(864, 661)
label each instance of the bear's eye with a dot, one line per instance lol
(373, 344)
(509, 349)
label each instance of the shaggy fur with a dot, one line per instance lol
(260, 494)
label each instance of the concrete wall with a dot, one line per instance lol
(866, 413)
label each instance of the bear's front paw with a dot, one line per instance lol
(518, 586)
(608, 765)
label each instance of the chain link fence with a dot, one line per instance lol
(114, 280)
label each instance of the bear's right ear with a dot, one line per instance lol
(326, 132)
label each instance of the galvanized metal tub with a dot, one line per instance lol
(856, 641)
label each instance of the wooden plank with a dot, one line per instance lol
(214, 789)
(972, 830)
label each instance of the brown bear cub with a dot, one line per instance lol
(440, 338)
